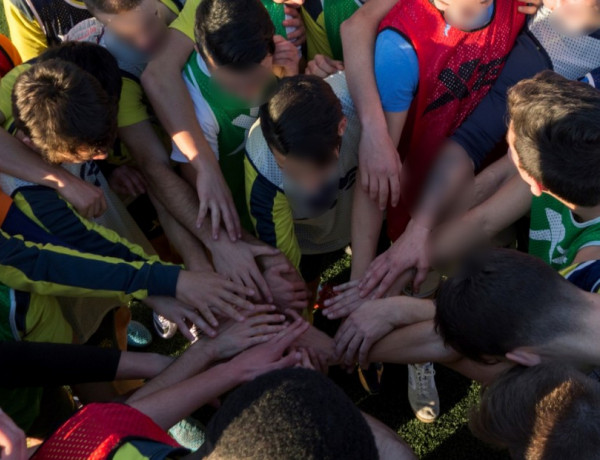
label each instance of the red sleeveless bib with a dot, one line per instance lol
(97, 429)
(456, 70)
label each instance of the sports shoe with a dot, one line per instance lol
(422, 393)
(189, 433)
(370, 379)
(163, 327)
(138, 335)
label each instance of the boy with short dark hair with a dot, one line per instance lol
(228, 78)
(300, 167)
(64, 113)
(545, 412)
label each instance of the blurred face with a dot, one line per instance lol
(143, 27)
(251, 85)
(575, 17)
(463, 14)
(310, 177)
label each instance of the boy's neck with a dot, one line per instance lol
(585, 214)
(166, 13)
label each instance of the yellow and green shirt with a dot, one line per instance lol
(281, 215)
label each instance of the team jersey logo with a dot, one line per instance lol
(458, 83)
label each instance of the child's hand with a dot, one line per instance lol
(298, 35)
(13, 445)
(346, 301)
(235, 337)
(323, 66)
(272, 355)
(365, 326)
(238, 262)
(286, 56)
(287, 286)
(212, 295)
(86, 198)
(127, 181)
(320, 344)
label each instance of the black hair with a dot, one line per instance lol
(234, 33)
(92, 58)
(502, 299)
(111, 6)
(556, 123)
(302, 119)
(545, 412)
(289, 414)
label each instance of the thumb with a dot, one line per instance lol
(420, 278)
(264, 250)
(278, 39)
(281, 269)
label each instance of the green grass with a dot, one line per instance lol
(448, 438)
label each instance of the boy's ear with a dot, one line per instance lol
(342, 126)
(537, 189)
(524, 357)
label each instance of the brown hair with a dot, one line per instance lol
(64, 111)
(545, 412)
(557, 137)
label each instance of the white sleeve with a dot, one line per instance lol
(206, 118)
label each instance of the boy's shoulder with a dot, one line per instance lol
(260, 158)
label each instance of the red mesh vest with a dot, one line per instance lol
(97, 429)
(456, 70)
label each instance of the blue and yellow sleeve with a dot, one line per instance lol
(46, 269)
(271, 213)
(57, 217)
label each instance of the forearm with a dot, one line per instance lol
(196, 359)
(167, 406)
(134, 365)
(367, 221)
(164, 86)
(188, 246)
(451, 175)
(358, 39)
(479, 225)
(417, 343)
(19, 161)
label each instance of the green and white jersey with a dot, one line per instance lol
(282, 214)
(555, 235)
(225, 121)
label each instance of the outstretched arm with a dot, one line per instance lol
(166, 90)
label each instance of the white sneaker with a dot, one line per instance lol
(422, 393)
(163, 327)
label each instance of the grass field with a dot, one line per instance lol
(447, 439)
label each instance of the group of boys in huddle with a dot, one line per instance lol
(210, 159)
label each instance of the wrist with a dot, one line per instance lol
(420, 225)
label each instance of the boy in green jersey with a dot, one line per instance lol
(228, 77)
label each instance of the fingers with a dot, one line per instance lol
(262, 284)
(345, 287)
(235, 301)
(353, 346)
(259, 250)
(183, 327)
(138, 181)
(290, 360)
(374, 188)
(196, 319)
(232, 231)
(215, 219)
(420, 278)
(207, 315)
(364, 179)
(261, 308)
(240, 288)
(394, 190)
(383, 193)
(289, 335)
(363, 352)
(386, 283)
(343, 341)
(201, 213)
(265, 319)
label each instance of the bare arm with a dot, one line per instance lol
(133, 365)
(389, 445)
(481, 223)
(379, 161)
(19, 161)
(166, 90)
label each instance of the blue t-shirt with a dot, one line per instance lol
(397, 66)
